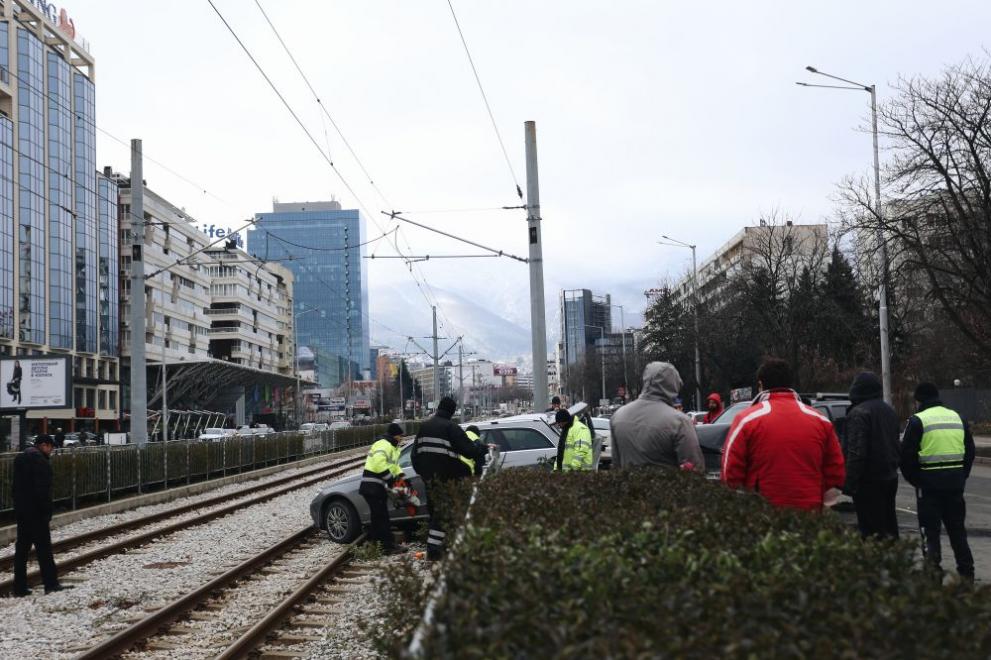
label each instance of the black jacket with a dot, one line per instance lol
(438, 444)
(32, 485)
(953, 479)
(871, 450)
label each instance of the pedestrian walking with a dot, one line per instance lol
(871, 453)
(60, 438)
(782, 448)
(714, 408)
(574, 449)
(381, 473)
(436, 456)
(555, 404)
(651, 430)
(32, 486)
(937, 455)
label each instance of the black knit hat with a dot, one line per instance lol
(42, 438)
(926, 392)
(394, 430)
(562, 416)
(447, 405)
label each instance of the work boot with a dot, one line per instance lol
(58, 587)
(22, 594)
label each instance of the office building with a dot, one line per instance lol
(447, 376)
(789, 241)
(321, 244)
(218, 319)
(584, 318)
(55, 297)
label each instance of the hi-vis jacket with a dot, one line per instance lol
(937, 449)
(578, 452)
(381, 468)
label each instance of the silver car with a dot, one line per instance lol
(520, 441)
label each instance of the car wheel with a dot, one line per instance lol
(341, 521)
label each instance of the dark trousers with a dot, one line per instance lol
(875, 505)
(436, 536)
(936, 509)
(380, 530)
(32, 531)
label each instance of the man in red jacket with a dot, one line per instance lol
(782, 448)
(714, 407)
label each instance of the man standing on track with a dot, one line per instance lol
(33, 509)
(381, 471)
(436, 456)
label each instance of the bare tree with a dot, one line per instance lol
(937, 216)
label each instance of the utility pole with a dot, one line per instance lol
(461, 376)
(538, 328)
(139, 383)
(165, 404)
(436, 357)
(402, 400)
(882, 289)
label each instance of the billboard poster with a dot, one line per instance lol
(503, 370)
(28, 382)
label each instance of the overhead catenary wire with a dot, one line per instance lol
(485, 99)
(500, 253)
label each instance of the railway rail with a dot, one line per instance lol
(201, 623)
(267, 491)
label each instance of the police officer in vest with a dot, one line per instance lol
(476, 438)
(574, 449)
(437, 452)
(381, 471)
(937, 454)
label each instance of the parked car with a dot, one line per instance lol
(603, 433)
(215, 434)
(339, 425)
(523, 441)
(313, 427)
(712, 436)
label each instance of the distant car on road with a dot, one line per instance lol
(313, 427)
(215, 434)
(339, 425)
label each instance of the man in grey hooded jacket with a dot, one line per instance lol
(649, 431)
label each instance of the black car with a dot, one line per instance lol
(712, 436)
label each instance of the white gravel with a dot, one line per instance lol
(343, 638)
(126, 586)
(107, 520)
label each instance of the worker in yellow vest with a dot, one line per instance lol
(474, 465)
(381, 472)
(574, 449)
(937, 455)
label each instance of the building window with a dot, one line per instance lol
(101, 399)
(113, 400)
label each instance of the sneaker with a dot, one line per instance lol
(58, 587)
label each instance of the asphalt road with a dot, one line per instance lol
(978, 497)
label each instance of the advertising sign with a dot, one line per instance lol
(35, 382)
(363, 404)
(503, 370)
(741, 394)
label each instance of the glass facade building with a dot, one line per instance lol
(321, 244)
(582, 316)
(108, 282)
(32, 193)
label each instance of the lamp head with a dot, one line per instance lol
(811, 69)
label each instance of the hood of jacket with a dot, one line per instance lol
(661, 382)
(715, 397)
(866, 386)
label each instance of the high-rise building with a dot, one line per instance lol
(585, 317)
(322, 244)
(58, 240)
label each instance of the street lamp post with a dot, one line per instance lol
(695, 309)
(295, 348)
(882, 289)
(602, 355)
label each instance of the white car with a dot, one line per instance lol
(215, 434)
(313, 427)
(339, 426)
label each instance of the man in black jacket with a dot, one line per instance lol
(436, 456)
(872, 452)
(937, 455)
(33, 510)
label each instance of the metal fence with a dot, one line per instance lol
(108, 471)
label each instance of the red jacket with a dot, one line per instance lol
(784, 450)
(711, 415)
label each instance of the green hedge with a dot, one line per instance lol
(664, 564)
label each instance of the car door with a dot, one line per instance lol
(520, 446)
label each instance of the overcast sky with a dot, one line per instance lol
(678, 118)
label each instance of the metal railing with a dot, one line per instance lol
(108, 471)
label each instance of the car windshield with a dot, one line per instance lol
(404, 456)
(730, 413)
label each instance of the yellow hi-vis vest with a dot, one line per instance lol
(578, 453)
(474, 437)
(382, 464)
(942, 445)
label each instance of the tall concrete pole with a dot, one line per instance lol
(538, 327)
(461, 377)
(436, 357)
(165, 400)
(882, 289)
(139, 384)
(698, 360)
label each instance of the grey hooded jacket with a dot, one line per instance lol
(649, 431)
